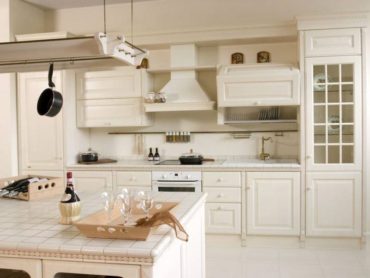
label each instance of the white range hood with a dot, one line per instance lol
(183, 91)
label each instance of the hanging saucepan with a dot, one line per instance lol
(50, 101)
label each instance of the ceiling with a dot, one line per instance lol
(65, 4)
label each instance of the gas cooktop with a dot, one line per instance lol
(170, 162)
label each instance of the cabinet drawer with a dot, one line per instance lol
(223, 218)
(223, 195)
(122, 83)
(133, 178)
(333, 42)
(213, 179)
(110, 112)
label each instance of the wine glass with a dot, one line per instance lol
(146, 202)
(108, 201)
(126, 202)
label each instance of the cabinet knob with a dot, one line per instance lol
(133, 178)
(248, 187)
(220, 179)
(219, 208)
(308, 189)
(257, 103)
(29, 167)
(220, 195)
(308, 157)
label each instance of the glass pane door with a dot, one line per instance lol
(333, 112)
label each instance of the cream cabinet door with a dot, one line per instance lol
(257, 86)
(333, 203)
(111, 113)
(334, 113)
(333, 42)
(273, 203)
(109, 84)
(88, 181)
(41, 138)
(223, 218)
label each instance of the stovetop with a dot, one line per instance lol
(171, 162)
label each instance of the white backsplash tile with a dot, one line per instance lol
(217, 145)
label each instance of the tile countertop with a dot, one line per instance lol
(31, 229)
(237, 163)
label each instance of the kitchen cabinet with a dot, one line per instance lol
(124, 82)
(139, 180)
(332, 42)
(257, 85)
(334, 204)
(273, 203)
(87, 181)
(334, 120)
(223, 218)
(112, 98)
(223, 208)
(110, 113)
(40, 138)
(334, 145)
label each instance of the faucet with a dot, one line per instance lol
(263, 155)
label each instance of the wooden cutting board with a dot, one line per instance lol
(100, 161)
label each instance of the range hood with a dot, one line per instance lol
(70, 49)
(183, 92)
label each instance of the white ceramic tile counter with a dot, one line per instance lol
(226, 164)
(31, 229)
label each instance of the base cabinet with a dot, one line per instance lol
(273, 203)
(223, 218)
(92, 181)
(334, 202)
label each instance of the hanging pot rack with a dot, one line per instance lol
(84, 48)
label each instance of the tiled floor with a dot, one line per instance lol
(244, 262)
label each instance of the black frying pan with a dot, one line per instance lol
(50, 101)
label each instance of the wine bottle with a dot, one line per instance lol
(156, 155)
(150, 155)
(69, 206)
(17, 187)
(70, 195)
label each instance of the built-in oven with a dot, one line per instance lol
(168, 181)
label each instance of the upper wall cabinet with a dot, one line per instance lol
(257, 85)
(122, 83)
(112, 98)
(333, 42)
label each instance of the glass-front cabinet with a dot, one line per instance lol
(333, 97)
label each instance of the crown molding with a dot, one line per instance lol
(348, 20)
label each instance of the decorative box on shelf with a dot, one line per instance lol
(45, 188)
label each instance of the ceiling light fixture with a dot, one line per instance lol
(117, 46)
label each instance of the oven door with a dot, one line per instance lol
(177, 186)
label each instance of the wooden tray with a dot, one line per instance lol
(98, 225)
(37, 190)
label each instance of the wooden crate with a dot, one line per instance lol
(39, 190)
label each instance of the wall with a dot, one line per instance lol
(211, 145)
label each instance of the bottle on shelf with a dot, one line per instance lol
(156, 155)
(69, 206)
(150, 155)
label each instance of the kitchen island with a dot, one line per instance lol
(32, 240)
